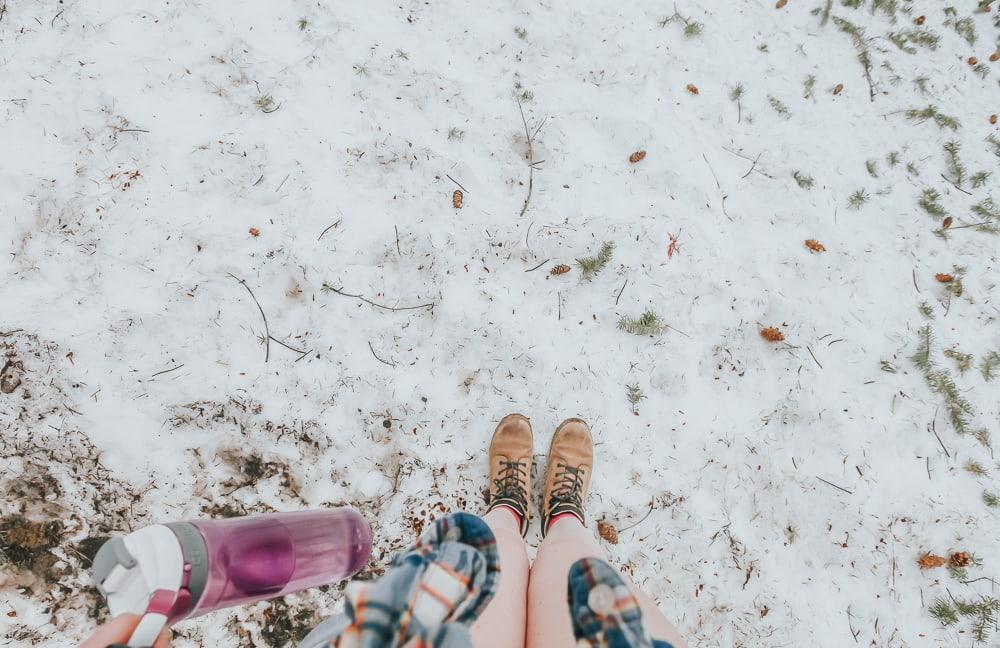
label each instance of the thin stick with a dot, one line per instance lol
(456, 182)
(834, 485)
(397, 240)
(752, 166)
(813, 355)
(375, 304)
(970, 225)
(952, 183)
(933, 430)
(620, 292)
(378, 358)
(329, 228)
(283, 181)
(290, 348)
(160, 373)
(717, 184)
(530, 137)
(632, 526)
(267, 330)
(539, 265)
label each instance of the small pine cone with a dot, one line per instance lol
(815, 245)
(456, 199)
(946, 223)
(562, 268)
(607, 532)
(994, 57)
(993, 119)
(780, 4)
(920, 20)
(960, 559)
(254, 232)
(930, 561)
(772, 334)
(973, 60)
(944, 277)
(637, 157)
(837, 89)
(692, 88)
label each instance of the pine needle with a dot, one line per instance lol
(591, 266)
(649, 323)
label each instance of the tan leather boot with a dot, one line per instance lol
(510, 466)
(571, 460)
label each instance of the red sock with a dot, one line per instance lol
(560, 517)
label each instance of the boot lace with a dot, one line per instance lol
(510, 484)
(568, 487)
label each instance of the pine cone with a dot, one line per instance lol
(608, 532)
(637, 157)
(772, 334)
(960, 559)
(456, 199)
(562, 268)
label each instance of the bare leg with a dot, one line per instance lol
(549, 624)
(502, 623)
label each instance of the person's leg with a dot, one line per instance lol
(549, 622)
(571, 462)
(503, 621)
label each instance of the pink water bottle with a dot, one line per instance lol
(170, 572)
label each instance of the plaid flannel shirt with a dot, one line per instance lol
(432, 594)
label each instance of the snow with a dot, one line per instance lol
(136, 160)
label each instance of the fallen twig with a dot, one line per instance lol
(391, 364)
(620, 292)
(648, 513)
(539, 265)
(952, 183)
(813, 356)
(717, 184)
(160, 373)
(530, 137)
(267, 330)
(339, 291)
(329, 228)
(457, 182)
(834, 485)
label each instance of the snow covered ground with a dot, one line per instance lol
(155, 160)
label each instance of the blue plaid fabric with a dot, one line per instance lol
(428, 598)
(432, 594)
(605, 612)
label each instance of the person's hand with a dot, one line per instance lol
(118, 630)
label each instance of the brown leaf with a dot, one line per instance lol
(930, 561)
(456, 199)
(960, 559)
(608, 532)
(944, 277)
(772, 334)
(692, 88)
(919, 20)
(815, 245)
(946, 223)
(562, 268)
(254, 232)
(637, 157)
(780, 4)
(837, 89)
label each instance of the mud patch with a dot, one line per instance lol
(27, 545)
